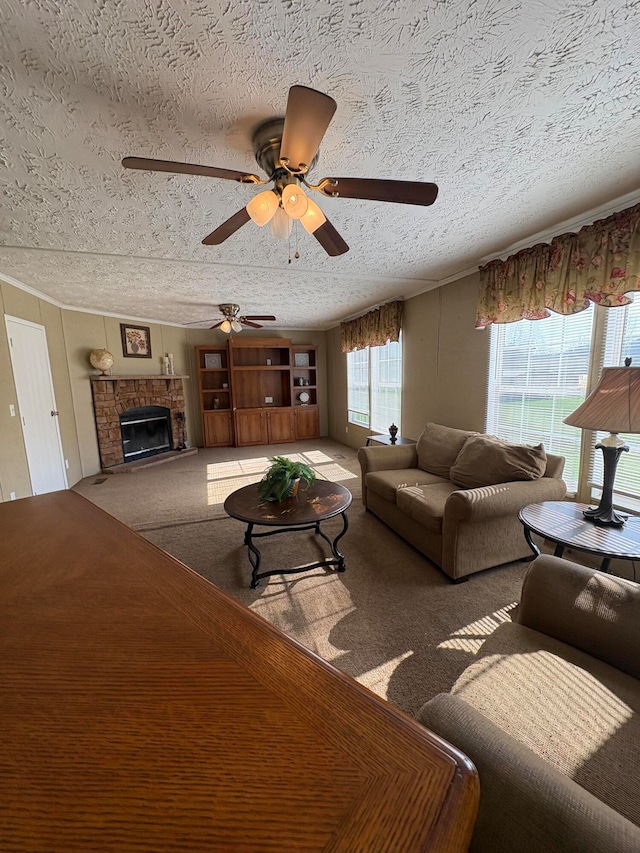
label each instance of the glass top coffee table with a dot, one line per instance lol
(563, 523)
(306, 511)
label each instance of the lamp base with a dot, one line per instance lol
(605, 515)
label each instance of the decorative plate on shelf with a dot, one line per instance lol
(301, 359)
(304, 397)
(212, 359)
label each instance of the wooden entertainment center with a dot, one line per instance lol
(258, 391)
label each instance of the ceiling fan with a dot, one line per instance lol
(231, 322)
(287, 149)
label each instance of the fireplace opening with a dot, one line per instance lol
(146, 431)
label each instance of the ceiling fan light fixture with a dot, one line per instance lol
(313, 217)
(294, 201)
(262, 207)
(280, 225)
(225, 327)
(235, 326)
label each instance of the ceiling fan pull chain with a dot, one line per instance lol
(297, 254)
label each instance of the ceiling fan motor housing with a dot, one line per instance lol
(267, 139)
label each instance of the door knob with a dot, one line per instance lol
(54, 414)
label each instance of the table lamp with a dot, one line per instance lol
(614, 406)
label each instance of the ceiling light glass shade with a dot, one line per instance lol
(236, 326)
(294, 201)
(313, 218)
(280, 225)
(225, 327)
(262, 207)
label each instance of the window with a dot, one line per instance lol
(374, 386)
(621, 340)
(538, 374)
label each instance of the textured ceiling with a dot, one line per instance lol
(524, 114)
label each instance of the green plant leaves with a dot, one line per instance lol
(279, 480)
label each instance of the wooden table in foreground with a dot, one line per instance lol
(142, 709)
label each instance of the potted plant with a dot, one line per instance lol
(282, 479)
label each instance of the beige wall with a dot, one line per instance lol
(445, 365)
(71, 335)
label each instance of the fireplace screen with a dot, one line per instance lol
(145, 431)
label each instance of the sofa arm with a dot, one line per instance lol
(525, 803)
(487, 502)
(385, 458)
(585, 608)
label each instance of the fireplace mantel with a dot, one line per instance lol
(122, 378)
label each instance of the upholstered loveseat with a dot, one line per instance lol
(549, 713)
(456, 494)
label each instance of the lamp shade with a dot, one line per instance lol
(313, 218)
(225, 327)
(280, 226)
(235, 325)
(614, 405)
(262, 207)
(294, 201)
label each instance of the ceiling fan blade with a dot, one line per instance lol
(219, 323)
(402, 192)
(195, 322)
(186, 169)
(227, 228)
(305, 123)
(330, 240)
(257, 317)
(246, 322)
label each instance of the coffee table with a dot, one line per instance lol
(562, 522)
(306, 511)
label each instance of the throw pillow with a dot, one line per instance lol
(438, 448)
(485, 460)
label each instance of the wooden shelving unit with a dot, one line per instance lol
(261, 402)
(304, 378)
(215, 398)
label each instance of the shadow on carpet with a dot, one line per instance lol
(392, 619)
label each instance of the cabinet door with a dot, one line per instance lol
(217, 429)
(307, 422)
(280, 423)
(250, 427)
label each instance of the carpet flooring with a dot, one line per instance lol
(392, 620)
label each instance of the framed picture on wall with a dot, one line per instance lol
(136, 341)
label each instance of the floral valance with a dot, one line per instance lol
(372, 329)
(599, 263)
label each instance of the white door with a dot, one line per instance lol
(36, 401)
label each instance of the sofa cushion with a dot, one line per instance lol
(485, 460)
(438, 447)
(425, 504)
(386, 483)
(578, 713)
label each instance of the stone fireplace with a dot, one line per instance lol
(114, 396)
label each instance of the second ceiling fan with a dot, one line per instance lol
(286, 149)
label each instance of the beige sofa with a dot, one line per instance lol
(470, 524)
(548, 712)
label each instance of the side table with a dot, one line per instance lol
(563, 523)
(386, 439)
